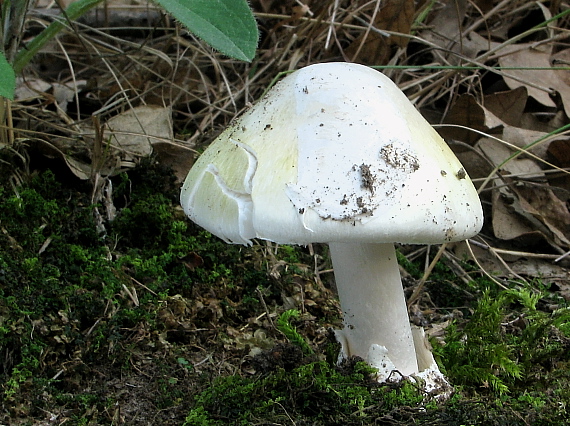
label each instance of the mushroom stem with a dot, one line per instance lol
(372, 299)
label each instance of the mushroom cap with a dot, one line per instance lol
(333, 152)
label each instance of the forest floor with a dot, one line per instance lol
(116, 309)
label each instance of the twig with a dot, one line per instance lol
(419, 287)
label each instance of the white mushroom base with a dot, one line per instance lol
(431, 380)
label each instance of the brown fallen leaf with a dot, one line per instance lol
(467, 112)
(509, 226)
(178, 157)
(445, 31)
(539, 83)
(504, 111)
(558, 153)
(523, 202)
(134, 131)
(374, 48)
(544, 205)
(508, 105)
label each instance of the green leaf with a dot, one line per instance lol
(226, 25)
(7, 78)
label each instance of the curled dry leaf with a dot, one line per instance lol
(524, 205)
(131, 136)
(546, 207)
(507, 225)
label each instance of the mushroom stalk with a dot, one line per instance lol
(374, 307)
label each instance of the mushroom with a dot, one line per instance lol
(335, 153)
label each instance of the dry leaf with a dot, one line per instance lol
(522, 210)
(559, 154)
(177, 157)
(466, 111)
(545, 206)
(538, 82)
(508, 105)
(498, 153)
(562, 59)
(445, 31)
(78, 168)
(523, 137)
(374, 48)
(29, 89)
(529, 213)
(506, 224)
(559, 151)
(134, 131)
(131, 134)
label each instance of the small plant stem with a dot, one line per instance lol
(7, 135)
(73, 11)
(14, 16)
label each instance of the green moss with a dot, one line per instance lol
(289, 254)
(411, 268)
(284, 326)
(512, 349)
(315, 392)
(63, 285)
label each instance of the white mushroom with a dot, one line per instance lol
(336, 153)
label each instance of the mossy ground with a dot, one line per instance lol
(157, 322)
